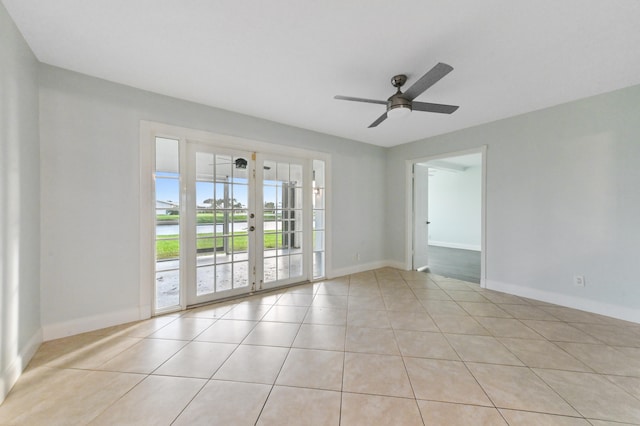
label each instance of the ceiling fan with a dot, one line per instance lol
(403, 103)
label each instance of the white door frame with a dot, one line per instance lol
(409, 228)
(149, 130)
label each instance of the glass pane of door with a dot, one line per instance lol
(167, 224)
(319, 226)
(220, 208)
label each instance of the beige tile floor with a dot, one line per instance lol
(385, 347)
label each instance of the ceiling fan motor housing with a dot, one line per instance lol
(397, 101)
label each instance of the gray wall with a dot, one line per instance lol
(19, 204)
(562, 199)
(90, 140)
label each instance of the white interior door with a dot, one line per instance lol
(420, 216)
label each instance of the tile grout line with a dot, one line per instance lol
(406, 370)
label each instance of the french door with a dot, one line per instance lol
(247, 222)
(285, 226)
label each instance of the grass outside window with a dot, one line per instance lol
(169, 246)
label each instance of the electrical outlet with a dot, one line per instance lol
(578, 280)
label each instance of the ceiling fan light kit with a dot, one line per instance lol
(401, 104)
(399, 111)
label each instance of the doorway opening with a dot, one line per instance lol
(447, 215)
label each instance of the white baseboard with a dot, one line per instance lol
(95, 322)
(588, 305)
(15, 368)
(455, 245)
(362, 267)
(397, 265)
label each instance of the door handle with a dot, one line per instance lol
(428, 222)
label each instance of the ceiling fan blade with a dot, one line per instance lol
(378, 120)
(349, 98)
(440, 108)
(429, 79)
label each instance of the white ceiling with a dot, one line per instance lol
(284, 60)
